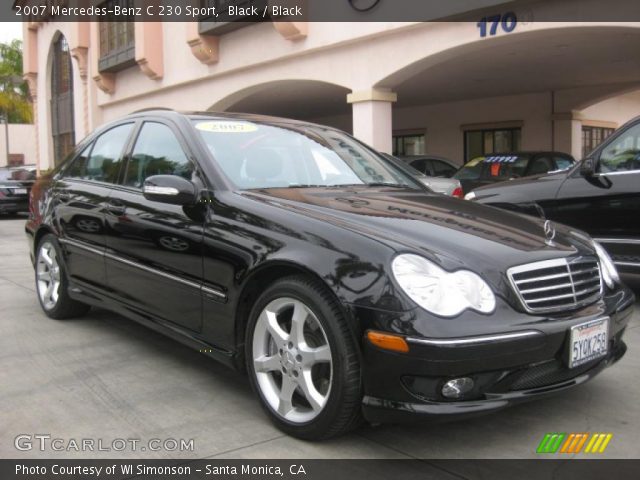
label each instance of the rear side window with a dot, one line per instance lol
(441, 169)
(101, 161)
(540, 165)
(79, 165)
(157, 152)
(420, 165)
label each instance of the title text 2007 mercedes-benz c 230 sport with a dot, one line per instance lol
(342, 285)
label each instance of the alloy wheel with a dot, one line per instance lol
(292, 360)
(48, 275)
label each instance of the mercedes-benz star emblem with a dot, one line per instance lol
(549, 232)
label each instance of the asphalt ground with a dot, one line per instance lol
(105, 377)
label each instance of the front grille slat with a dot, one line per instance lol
(538, 279)
(557, 285)
(544, 289)
(547, 299)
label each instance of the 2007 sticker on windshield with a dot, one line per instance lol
(227, 127)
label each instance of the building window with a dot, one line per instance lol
(62, 123)
(117, 40)
(479, 143)
(224, 22)
(409, 145)
(592, 137)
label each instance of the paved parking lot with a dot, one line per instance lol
(105, 377)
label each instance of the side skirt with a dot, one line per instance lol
(89, 295)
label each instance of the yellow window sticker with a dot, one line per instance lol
(227, 127)
(475, 161)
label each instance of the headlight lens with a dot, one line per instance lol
(470, 196)
(609, 270)
(443, 293)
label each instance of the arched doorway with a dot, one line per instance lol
(62, 112)
(308, 100)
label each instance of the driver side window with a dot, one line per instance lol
(623, 154)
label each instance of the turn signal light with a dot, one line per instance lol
(388, 342)
(457, 193)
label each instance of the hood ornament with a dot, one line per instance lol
(549, 232)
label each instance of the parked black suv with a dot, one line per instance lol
(601, 195)
(340, 283)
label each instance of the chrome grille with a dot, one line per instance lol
(556, 285)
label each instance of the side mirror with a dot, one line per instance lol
(588, 167)
(169, 189)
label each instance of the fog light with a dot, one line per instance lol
(457, 387)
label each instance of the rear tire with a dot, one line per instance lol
(52, 284)
(303, 361)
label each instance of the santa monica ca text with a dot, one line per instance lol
(143, 469)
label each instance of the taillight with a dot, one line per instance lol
(458, 193)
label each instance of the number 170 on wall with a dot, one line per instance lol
(488, 26)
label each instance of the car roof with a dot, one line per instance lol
(252, 117)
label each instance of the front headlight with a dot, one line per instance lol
(609, 270)
(443, 293)
(470, 196)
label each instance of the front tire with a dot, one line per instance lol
(52, 284)
(302, 360)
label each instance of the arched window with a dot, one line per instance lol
(62, 124)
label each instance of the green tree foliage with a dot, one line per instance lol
(14, 92)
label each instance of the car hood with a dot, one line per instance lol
(453, 232)
(543, 184)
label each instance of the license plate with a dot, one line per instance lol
(20, 191)
(589, 341)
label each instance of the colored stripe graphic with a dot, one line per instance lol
(551, 442)
(574, 442)
(598, 443)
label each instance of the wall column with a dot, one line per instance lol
(30, 69)
(567, 133)
(372, 117)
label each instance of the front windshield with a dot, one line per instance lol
(257, 156)
(502, 167)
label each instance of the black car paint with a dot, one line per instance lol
(240, 241)
(12, 180)
(606, 206)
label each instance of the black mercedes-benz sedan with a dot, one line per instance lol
(339, 283)
(14, 190)
(600, 195)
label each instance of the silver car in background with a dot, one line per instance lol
(447, 186)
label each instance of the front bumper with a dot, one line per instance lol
(512, 369)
